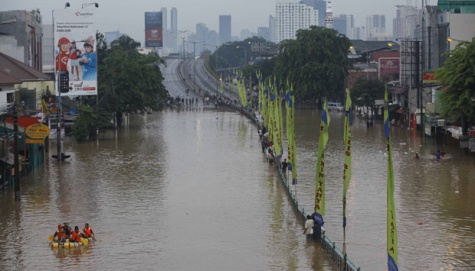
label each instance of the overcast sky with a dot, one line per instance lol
(128, 16)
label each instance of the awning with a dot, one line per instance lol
(9, 159)
(398, 90)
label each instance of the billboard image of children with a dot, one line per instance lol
(62, 54)
(74, 56)
(88, 61)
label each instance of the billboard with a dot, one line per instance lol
(429, 77)
(388, 68)
(153, 29)
(74, 35)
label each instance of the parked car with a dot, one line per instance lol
(335, 106)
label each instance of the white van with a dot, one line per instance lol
(335, 106)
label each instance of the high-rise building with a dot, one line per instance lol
(224, 28)
(340, 24)
(407, 18)
(292, 16)
(320, 6)
(375, 27)
(272, 28)
(350, 27)
(165, 34)
(174, 30)
(245, 33)
(329, 16)
(263, 32)
(201, 37)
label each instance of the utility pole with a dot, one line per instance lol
(16, 168)
(194, 64)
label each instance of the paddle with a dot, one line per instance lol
(51, 237)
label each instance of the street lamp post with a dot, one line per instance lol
(183, 44)
(16, 161)
(457, 41)
(90, 4)
(245, 53)
(194, 63)
(194, 66)
(60, 156)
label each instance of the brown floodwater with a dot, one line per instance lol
(190, 190)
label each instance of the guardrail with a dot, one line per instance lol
(342, 261)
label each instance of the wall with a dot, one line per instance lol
(462, 27)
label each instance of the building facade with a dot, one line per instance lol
(320, 6)
(21, 36)
(292, 16)
(375, 27)
(272, 28)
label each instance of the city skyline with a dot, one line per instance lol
(128, 18)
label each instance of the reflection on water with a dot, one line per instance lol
(177, 190)
(190, 190)
(435, 212)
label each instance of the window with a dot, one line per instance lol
(10, 97)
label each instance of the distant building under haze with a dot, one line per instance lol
(224, 28)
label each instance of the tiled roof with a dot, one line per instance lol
(6, 79)
(19, 70)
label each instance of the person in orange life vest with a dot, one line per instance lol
(63, 54)
(60, 235)
(67, 229)
(76, 235)
(87, 231)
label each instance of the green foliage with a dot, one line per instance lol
(231, 54)
(129, 81)
(85, 123)
(366, 91)
(458, 78)
(316, 63)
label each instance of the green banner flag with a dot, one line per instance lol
(347, 165)
(320, 176)
(289, 109)
(392, 242)
(221, 87)
(277, 123)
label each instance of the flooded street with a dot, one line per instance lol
(190, 190)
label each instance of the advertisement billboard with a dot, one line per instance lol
(388, 68)
(74, 34)
(153, 29)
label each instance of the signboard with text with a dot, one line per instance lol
(37, 131)
(429, 77)
(74, 33)
(388, 68)
(153, 29)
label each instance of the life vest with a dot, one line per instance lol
(76, 236)
(60, 235)
(87, 232)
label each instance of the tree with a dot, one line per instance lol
(131, 82)
(316, 63)
(366, 91)
(457, 76)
